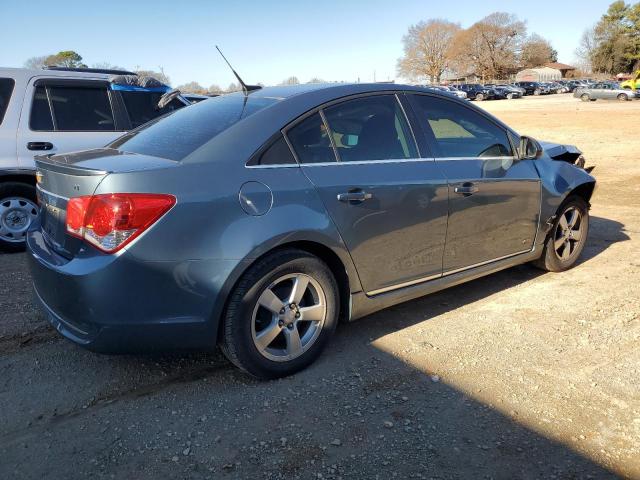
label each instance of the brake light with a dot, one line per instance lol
(110, 221)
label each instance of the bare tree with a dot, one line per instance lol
(317, 80)
(215, 89)
(233, 87)
(586, 48)
(492, 46)
(536, 52)
(158, 75)
(293, 80)
(107, 66)
(192, 87)
(427, 50)
(36, 63)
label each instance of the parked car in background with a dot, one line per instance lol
(60, 110)
(603, 91)
(447, 89)
(257, 221)
(476, 91)
(533, 88)
(505, 91)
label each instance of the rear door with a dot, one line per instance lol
(389, 204)
(62, 115)
(494, 198)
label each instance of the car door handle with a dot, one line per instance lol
(466, 189)
(354, 196)
(40, 146)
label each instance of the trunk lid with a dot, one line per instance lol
(61, 177)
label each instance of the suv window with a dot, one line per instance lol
(6, 88)
(370, 128)
(40, 119)
(143, 106)
(81, 109)
(459, 132)
(310, 140)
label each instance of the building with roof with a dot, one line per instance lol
(563, 67)
(542, 74)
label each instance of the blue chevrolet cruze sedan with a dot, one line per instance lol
(257, 221)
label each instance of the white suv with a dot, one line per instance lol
(62, 110)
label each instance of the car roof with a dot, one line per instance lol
(338, 89)
(25, 73)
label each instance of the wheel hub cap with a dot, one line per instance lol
(16, 215)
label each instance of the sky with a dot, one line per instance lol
(266, 41)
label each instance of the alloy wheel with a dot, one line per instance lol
(16, 215)
(568, 234)
(288, 317)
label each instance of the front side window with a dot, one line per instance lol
(370, 128)
(310, 140)
(142, 107)
(81, 109)
(457, 131)
(6, 88)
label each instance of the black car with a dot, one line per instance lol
(532, 88)
(475, 91)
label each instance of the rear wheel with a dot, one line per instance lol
(480, 97)
(584, 97)
(281, 315)
(567, 237)
(537, 92)
(623, 97)
(18, 209)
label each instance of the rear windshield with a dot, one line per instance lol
(184, 131)
(6, 87)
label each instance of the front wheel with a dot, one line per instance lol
(567, 237)
(584, 97)
(281, 315)
(479, 97)
(18, 208)
(623, 97)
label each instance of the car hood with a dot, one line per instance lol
(565, 153)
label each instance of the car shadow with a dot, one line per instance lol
(358, 412)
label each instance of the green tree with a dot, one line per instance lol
(616, 39)
(66, 58)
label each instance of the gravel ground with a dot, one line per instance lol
(518, 375)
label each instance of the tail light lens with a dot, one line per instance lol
(111, 221)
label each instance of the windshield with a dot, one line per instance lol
(184, 131)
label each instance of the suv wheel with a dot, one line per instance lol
(281, 315)
(18, 208)
(567, 237)
(480, 97)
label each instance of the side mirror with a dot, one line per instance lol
(529, 149)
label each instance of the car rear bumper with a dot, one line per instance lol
(118, 303)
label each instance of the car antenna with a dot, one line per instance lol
(245, 88)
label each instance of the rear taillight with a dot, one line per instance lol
(112, 220)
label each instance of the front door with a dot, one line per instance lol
(494, 198)
(389, 204)
(64, 115)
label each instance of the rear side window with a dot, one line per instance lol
(311, 142)
(81, 109)
(370, 128)
(75, 109)
(6, 88)
(142, 107)
(40, 119)
(278, 153)
(456, 131)
(183, 132)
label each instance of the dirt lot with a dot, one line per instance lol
(517, 375)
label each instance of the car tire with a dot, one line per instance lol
(561, 249)
(479, 97)
(584, 97)
(623, 97)
(18, 208)
(509, 96)
(537, 92)
(275, 340)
